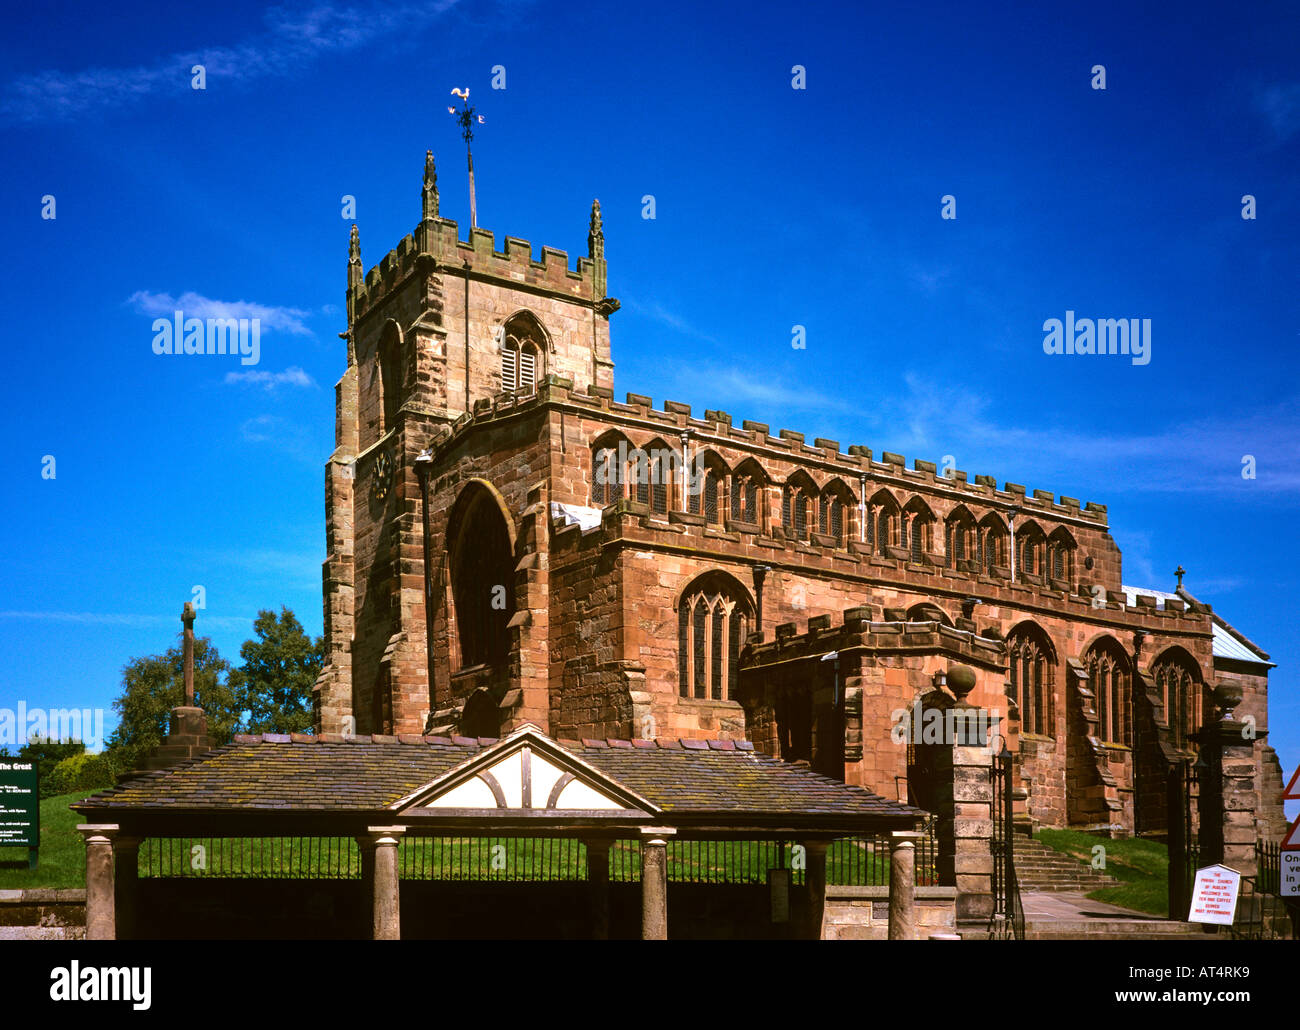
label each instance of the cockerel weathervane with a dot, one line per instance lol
(468, 119)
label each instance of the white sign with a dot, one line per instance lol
(1291, 874)
(1215, 898)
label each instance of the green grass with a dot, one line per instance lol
(62, 857)
(1141, 866)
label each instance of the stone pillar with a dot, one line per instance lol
(963, 799)
(101, 922)
(815, 880)
(385, 883)
(598, 884)
(654, 883)
(126, 882)
(1230, 836)
(902, 886)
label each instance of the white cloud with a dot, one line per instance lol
(123, 619)
(293, 376)
(195, 305)
(292, 38)
(661, 314)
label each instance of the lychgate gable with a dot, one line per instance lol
(526, 772)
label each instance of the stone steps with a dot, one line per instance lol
(1117, 929)
(1040, 868)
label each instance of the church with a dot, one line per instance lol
(510, 544)
(596, 668)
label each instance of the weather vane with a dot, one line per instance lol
(467, 119)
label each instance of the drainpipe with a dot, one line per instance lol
(862, 509)
(423, 469)
(760, 574)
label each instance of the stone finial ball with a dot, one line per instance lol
(961, 680)
(1227, 696)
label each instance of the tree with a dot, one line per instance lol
(280, 668)
(155, 684)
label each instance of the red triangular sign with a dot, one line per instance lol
(1292, 840)
(1292, 792)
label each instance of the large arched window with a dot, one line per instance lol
(713, 619)
(482, 578)
(1032, 675)
(959, 536)
(747, 485)
(1178, 679)
(833, 509)
(1108, 673)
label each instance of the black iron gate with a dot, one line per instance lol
(1008, 919)
(1184, 845)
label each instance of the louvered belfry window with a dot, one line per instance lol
(527, 371)
(509, 367)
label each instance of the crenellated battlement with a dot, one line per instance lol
(717, 427)
(436, 245)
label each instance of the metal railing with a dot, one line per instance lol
(850, 861)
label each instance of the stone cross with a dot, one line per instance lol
(1180, 572)
(187, 618)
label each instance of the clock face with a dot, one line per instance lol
(382, 482)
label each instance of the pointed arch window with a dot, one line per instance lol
(1179, 684)
(712, 626)
(1032, 674)
(1108, 674)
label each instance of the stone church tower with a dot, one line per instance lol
(436, 327)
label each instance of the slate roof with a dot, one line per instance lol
(303, 773)
(1226, 642)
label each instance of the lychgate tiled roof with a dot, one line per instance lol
(334, 774)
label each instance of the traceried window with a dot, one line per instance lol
(713, 622)
(705, 489)
(1060, 555)
(883, 519)
(797, 507)
(747, 483)
(959, 533)
(608, 470)
(918, 525)
(1179, 682)
(1108, 674)
(651, 468)
(1032, 674)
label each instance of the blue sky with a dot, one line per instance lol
(775, 207)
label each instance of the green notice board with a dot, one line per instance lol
(20, 809)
